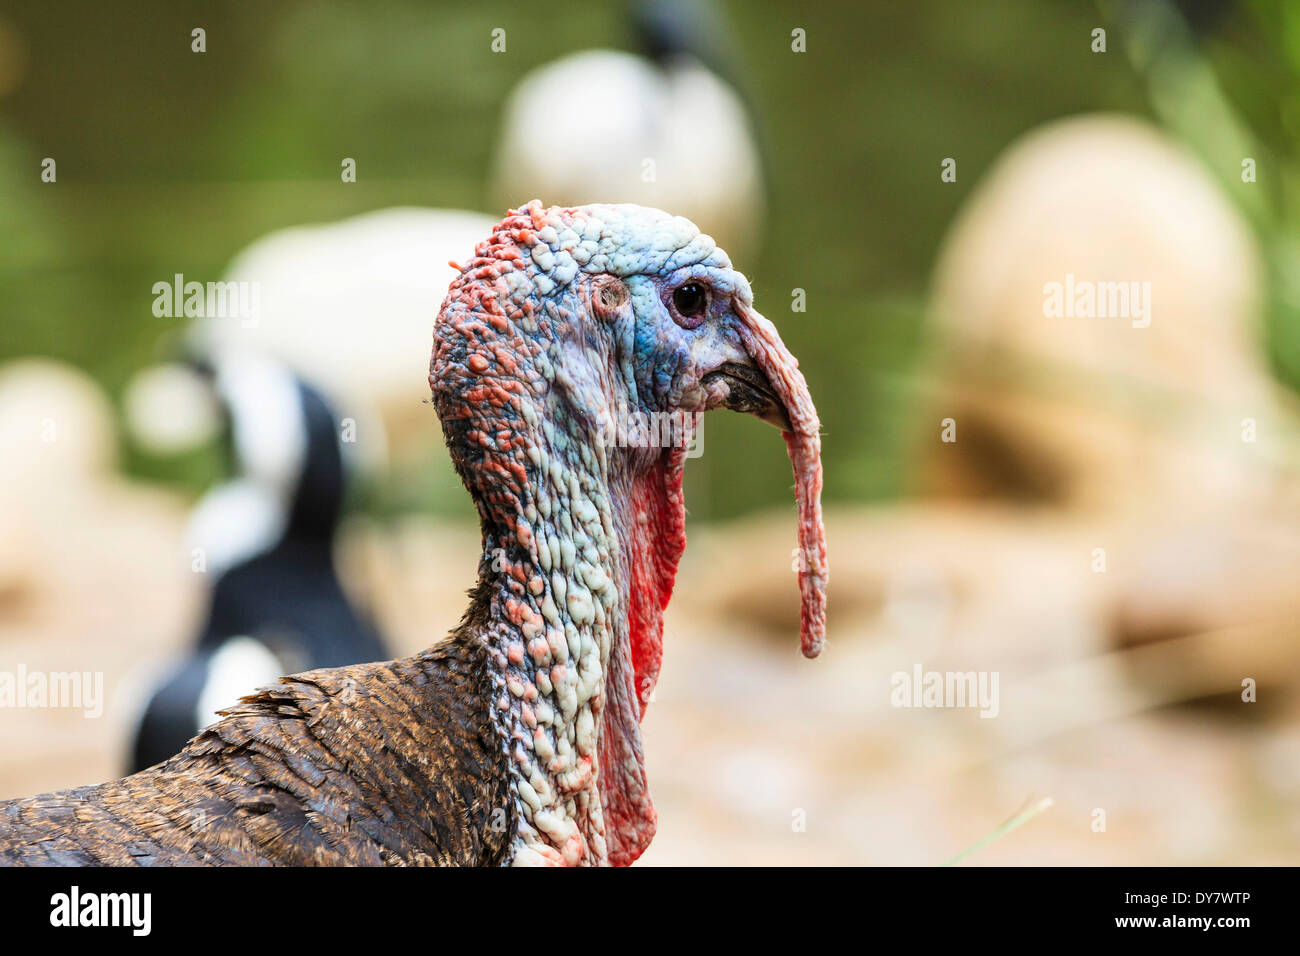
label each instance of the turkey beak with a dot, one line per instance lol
(750, 392)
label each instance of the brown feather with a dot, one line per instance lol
(395, 763)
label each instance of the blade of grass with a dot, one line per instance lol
(1022, 817)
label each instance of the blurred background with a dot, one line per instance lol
(1113, 531)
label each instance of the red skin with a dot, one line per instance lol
(490, 365)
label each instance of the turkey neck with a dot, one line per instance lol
(579, 574)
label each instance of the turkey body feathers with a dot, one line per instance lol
(395, 763)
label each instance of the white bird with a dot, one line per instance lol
(349, 306)
(670, 133)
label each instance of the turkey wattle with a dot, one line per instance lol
(517, 740)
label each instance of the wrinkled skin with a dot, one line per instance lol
(565, 330)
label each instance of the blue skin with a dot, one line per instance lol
(670, 359)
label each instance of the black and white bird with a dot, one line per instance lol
(266, 537)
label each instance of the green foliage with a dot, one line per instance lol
(172, 162)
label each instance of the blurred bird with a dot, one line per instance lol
(665, 127)
(1092, 411)
(1165, 433)
(267, 539)
(57, 462)
(57, 427)
(347, 306)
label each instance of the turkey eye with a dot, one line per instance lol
(691, 300)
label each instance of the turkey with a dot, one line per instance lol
(267, 540)
(516, 740)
